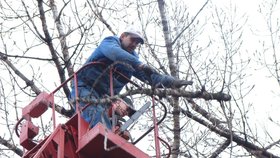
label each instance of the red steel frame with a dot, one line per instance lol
(74, 139)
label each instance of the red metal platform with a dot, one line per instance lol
(102, 142)
(98, 142)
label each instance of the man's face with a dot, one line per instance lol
(129, 42)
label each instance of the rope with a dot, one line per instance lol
(105, 143)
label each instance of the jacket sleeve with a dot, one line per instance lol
(155, 79)
(111, 48)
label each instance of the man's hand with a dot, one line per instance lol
(180, 83)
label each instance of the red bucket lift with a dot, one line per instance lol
(64, 141)
(73, 139)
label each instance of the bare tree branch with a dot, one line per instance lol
(10, 146)
(49, 42)
(250, 147)
(162, 93)
(62, 37)
(221, 148)
(22, 76)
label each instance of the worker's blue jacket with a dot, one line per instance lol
(94, 82)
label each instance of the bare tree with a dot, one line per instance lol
(45, 42)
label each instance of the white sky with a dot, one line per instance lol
(265, 97)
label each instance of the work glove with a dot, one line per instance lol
(180, 83)
(130, 110)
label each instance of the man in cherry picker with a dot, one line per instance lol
(94, 83)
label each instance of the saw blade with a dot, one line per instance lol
(135, 116)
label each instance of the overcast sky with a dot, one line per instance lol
(265, 96)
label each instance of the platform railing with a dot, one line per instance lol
(36, 108)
